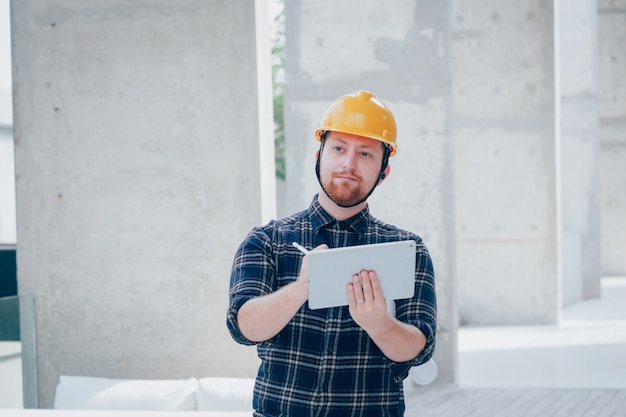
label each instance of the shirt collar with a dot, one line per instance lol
(320, 218)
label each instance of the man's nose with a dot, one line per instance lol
(349, 160)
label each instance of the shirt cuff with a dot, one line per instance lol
(231, 321)
(400, 370)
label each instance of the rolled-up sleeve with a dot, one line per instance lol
(252, 275)
(420, 311)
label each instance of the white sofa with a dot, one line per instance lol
(215, 396)
(204, 394)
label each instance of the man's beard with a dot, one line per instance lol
(343, 194)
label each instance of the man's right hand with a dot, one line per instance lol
(263, 317)
(303, 279)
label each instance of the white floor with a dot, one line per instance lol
(587, 350)
(10, 375)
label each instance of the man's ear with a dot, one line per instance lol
(384, 175)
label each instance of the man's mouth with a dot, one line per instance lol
(346, 177)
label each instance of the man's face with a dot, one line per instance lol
(349, 166)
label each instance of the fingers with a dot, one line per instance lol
(320, 247)
(364, 288)
(367, 304)
(304, 266)
(357, 289)
(377, 290)
(303, 278)
(351, 288)
(366, 284)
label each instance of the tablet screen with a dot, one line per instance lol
(330, 271)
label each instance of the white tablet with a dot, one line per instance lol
(330, 271)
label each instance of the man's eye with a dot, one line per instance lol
(338, 148)
(365, 154)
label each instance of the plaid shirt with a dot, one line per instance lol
(322, 363)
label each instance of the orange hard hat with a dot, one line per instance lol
(363, 114)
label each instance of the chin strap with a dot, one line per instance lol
(381, 175)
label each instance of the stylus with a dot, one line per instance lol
(300, 248)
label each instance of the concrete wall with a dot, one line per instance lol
(503, 105)
(399, 52)
(137, 143)
(580, 240)
(612, 114)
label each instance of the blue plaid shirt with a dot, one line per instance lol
(322, 363)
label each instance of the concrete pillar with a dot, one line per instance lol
(503, 106)
(137, 163)
(579, 206)
(612, 114)
(399, 51)
(7, 171)
(7, 187)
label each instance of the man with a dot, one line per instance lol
(341, 361)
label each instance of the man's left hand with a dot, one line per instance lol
(366, 302)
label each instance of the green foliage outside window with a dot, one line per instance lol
(277, 39)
